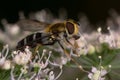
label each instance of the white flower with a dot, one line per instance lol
(13, 30)
(6, 65)
(97, 74)
(51, 75)
(64, 60)
(24, 69)
(22, 58)
(91, 49)
(99, 29)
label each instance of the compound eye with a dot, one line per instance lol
(70, 27)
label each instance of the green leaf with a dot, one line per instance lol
(4, 74)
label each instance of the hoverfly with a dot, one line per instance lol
(48, 34)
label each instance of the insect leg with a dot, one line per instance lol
(73, 46)
(36, 50)
(68, 55)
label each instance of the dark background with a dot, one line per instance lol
(96, 10)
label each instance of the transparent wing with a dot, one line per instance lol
(32, 25)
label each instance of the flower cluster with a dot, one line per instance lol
(37, 68)
(97, 74)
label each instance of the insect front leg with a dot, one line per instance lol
(64, 50)
(74, 47)
(68, 55)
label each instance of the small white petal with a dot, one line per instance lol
(103, 72)
(7, 65)
(90, 75)
(2, 61)
(51, 75)
(99, 29)
(96, 75)
(102, 78)
(14, 30)
(94, 69)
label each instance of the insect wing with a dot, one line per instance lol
(32, 25)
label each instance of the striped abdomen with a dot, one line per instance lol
(34, 39)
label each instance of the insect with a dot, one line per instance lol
(48, 34)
